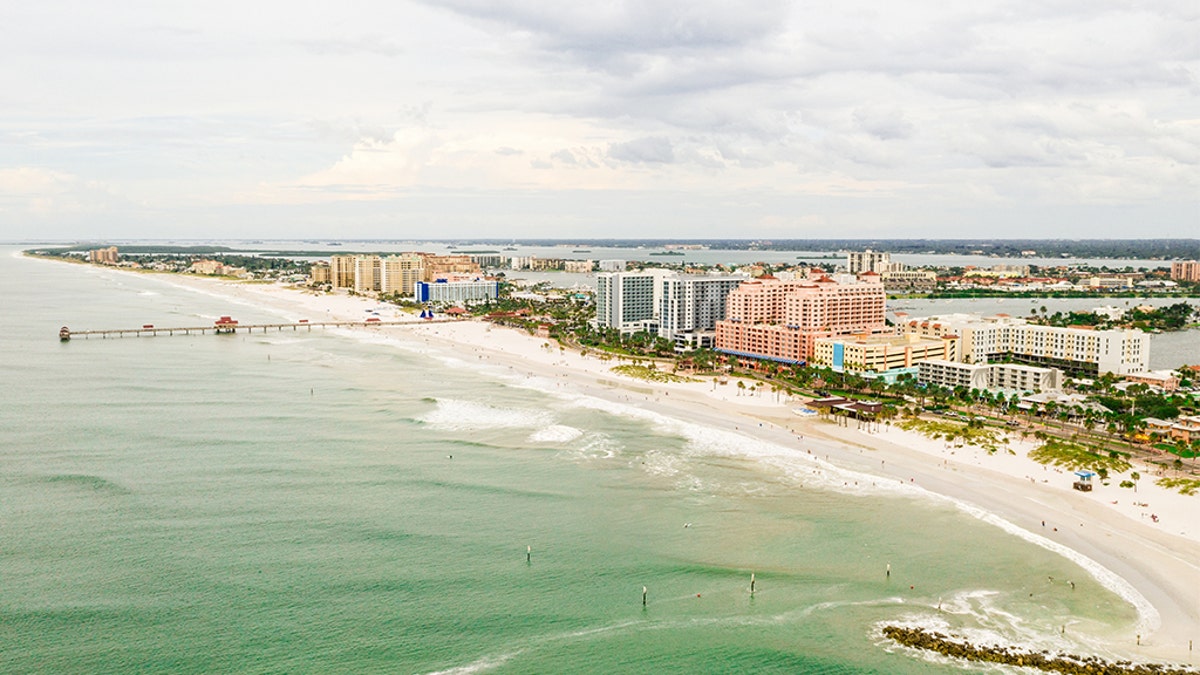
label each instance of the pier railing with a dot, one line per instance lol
(66, 333)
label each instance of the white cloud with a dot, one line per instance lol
(861, 116)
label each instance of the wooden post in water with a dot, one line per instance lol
(643, 596)
(752, 583)
(528, 554)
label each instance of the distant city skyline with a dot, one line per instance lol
(680, 120)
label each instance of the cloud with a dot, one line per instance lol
(869, 115)
(598, 32)
(374, 45)
(46, 194)
(27, 180)
(646, 150)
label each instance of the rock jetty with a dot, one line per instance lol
(1056, 663)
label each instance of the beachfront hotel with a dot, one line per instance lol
(994, 376)
(782, 320)
(683, 308)
(690, 306)
(448, 292)
(400, 273)
(1077, 351)
(628, 301)
(881, 353)
(104, 256)
(341, 271)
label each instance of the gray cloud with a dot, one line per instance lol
(646, 150)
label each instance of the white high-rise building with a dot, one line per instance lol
(690, 306)
(629, 301)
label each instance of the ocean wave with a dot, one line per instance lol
(599, 446)
(459, 415)
(555, 433)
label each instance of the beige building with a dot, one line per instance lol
(906, 279)
(341, 271)
(368, 273)
(400, 274)
(1003, 338)
(1185, 270)
(437, 266)
(320, 273)
(1006, 376)
(858, 262)
(1166, 380)
(879, 353)
(213, 267)
(998, 272)
(104, 256)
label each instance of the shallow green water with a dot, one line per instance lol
(327, 502)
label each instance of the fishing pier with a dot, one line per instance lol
(227, 325)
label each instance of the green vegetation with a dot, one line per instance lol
(649, 374)
(1186, 486)
(971, 433)
(1173, 317)
(1078, 457)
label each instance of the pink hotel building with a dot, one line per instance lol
(780, 320)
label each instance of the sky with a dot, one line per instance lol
(683, 119)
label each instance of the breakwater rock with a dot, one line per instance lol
(1057, 663)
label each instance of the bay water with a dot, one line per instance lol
(337, 501)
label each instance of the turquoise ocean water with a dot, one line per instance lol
(336, 502)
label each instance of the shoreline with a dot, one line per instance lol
(1159, 561)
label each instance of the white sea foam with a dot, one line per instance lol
(598, 446)
(459, 415)
(479, 666)
(555, 433)
(977, 617)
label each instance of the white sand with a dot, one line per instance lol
(1111, 526)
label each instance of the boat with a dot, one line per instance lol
(667, 253)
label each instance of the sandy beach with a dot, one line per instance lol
(1144, 544)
